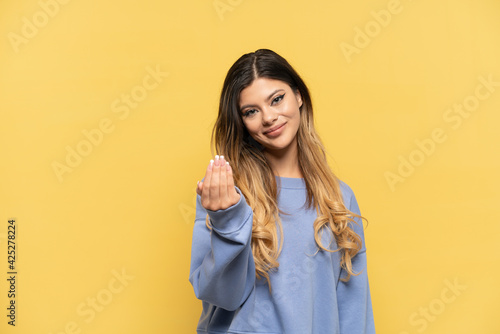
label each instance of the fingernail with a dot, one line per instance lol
(211, 164)
(221, 157)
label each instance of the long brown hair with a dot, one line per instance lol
(255, 178)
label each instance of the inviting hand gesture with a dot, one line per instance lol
(217, 191)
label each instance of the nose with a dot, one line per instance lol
(269, 115)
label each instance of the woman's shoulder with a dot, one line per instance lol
(347, 192)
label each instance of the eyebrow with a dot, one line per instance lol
(268, 98)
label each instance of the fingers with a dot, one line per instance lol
(230, 179)
(217, 191)
(223, 194)
(234, 196)
(205, 193)
(214, 182)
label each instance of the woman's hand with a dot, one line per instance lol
(217, 191)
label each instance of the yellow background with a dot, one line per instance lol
(129, 204)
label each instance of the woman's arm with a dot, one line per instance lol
(354, 300)
(222, 265)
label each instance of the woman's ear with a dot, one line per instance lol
(298, 97)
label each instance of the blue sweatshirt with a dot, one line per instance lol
(307, 296)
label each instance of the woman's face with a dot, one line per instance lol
(269, 104)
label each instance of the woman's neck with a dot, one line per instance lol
(285, 162)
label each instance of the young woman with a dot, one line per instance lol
(274, 246)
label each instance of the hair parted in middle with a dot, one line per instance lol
(255, 178)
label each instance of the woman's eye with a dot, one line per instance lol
(278, 98)
(249, 112)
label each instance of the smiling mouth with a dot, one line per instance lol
(272, 130)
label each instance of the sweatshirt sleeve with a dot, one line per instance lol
(354, 300)
(222, 266)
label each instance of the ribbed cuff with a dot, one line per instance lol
(231, 219)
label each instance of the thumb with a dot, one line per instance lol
(199, 187)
